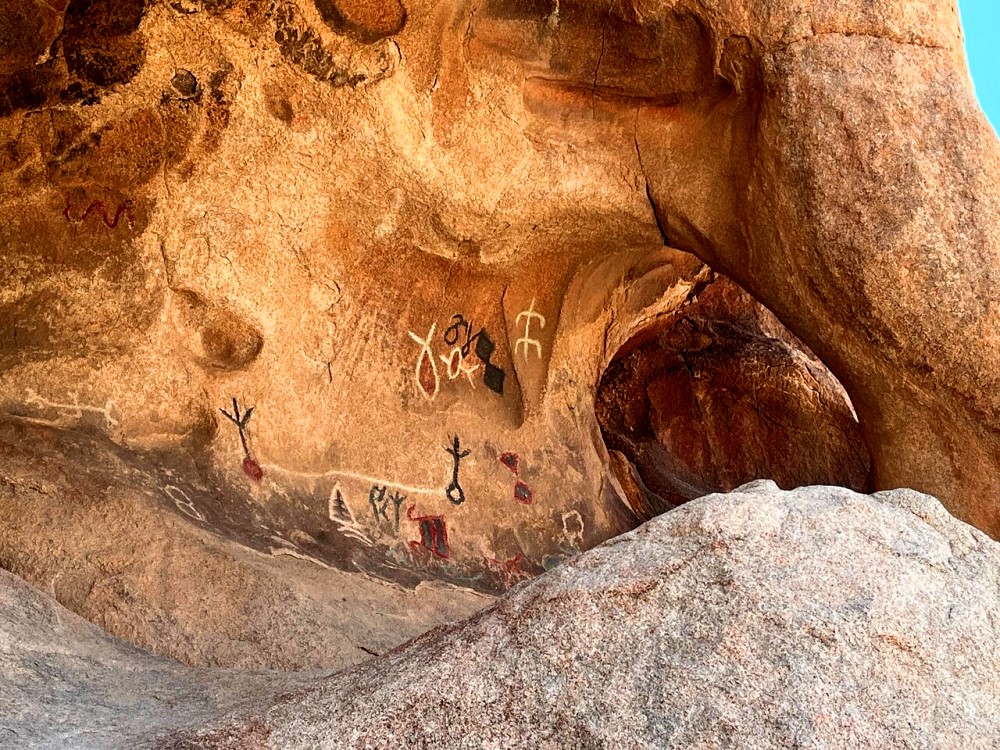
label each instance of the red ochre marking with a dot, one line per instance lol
(508, 570)
(433, 535)
(511, 461)
(426, 375)
(522, 492)
(252, 469)
(124, 209)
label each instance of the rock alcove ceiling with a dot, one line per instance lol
(325, 323)
(717, 394)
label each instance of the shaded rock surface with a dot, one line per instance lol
(65, 683)
(811, 618)
(210, 579)
(717, 394)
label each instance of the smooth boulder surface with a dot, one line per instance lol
(66, 684)
(815, 618)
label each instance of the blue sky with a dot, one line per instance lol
(981, 21)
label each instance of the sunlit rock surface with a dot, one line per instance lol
(817, 617)
(313, 310)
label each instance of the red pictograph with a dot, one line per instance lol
(433, 535)
(522, 492)
(509, 571)
(123, 209)
(252, 469)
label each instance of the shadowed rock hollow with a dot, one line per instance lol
(322, 323)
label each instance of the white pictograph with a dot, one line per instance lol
(294, 552)
(526, 341)
(184, 503)
(341, 514)
(73, 410)
(344, 476)
(426, 356)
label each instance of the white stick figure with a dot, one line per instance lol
(526, 339)
(456, 364)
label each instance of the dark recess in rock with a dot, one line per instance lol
(365, 21)
(184, 83)
(714, 399)
(26, 89)
(100, 40)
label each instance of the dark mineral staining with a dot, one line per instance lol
(217, 80)
(188, 7)
(184, 83)
(26, 31)
(23, 34)
(245, 13)
(125, 153)
(185, 7)
(302, 46)
(281, 108)
(104, 18)
(364, 21)
(68, 128)
(520, 10)
(99, 43)
(218, 103)
(77, 93)
(105, 64)
(26, 89)
(100, 40)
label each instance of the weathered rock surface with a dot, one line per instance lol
(719, 394)
(814, 618)
(127, 541)
(66, 684)
(829, 150)
(413, 236)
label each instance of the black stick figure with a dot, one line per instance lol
(455, 493)
(241, 423)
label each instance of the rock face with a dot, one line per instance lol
(812, 618)
(65, 683)
(357, 269)
(828, 146)
(719, 394)
(127, 542)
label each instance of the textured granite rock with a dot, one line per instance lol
(66, 684)
(849, 181)
(814, 618)
(413, 237)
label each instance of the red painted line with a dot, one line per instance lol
(124, 209)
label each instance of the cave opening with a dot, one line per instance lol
(719, 393)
